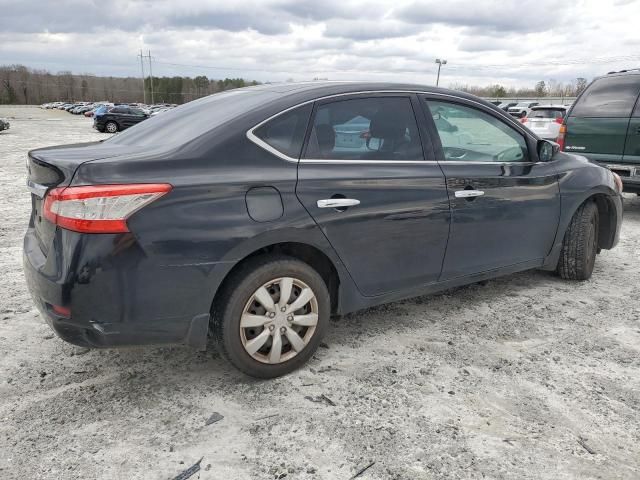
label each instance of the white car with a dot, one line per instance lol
(545, 120)
(521, 109)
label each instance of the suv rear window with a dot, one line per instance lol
(547, 113)
(608, 97)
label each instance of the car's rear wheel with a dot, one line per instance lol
(580, 245)
(271, 316)
(111, 127)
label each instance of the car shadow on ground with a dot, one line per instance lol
(183, 367)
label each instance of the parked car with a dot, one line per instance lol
(604, 125)
(545, 120)
(4, 124)
(507, 105)
(522, 109)
(98, 109)
(240, 214)
(118, 118)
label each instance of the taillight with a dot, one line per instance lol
(561, 134)
(559, 120)
(524, 120)
(99, 208)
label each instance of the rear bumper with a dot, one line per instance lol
(116, 297)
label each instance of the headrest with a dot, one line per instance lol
(326, 136)
(387, 123)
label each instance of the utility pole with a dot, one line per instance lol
(440, 63)
(151, 75)
(144, 90)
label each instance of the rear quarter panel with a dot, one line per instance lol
(202, 228)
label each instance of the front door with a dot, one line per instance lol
(364, 179)
(505, 205)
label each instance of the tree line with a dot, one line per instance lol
(26, 86)
(549, 88)
(20, 85)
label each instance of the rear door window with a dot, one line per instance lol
(609, 97)
(375, 128)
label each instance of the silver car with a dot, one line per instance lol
(545, 120)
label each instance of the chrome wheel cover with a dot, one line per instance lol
(279, 320)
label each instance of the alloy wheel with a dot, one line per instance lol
(279, 320)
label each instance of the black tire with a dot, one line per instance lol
(229, 306)
(111, 127)
(580, 244)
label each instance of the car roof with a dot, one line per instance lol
(317, 89)
(621, 73)
(541, 107)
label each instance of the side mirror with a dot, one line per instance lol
(547, 150)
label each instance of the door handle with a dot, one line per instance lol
(468, 193)
(637, 130)
(338, 203)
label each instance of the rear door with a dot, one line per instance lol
(505, 206)
(598, 122)
(380, 199)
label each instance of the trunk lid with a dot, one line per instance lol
(600, 139)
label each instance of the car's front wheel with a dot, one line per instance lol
(271, 316)
(580, 245)
(111, 127)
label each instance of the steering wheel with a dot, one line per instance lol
(511, 154)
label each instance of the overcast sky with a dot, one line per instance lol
(513, 43)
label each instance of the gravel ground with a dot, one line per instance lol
(523, 377)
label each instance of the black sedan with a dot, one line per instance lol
(118, 118)
(251, 216)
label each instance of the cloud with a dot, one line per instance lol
(498, 16)
(484, 41)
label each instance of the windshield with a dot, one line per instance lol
(182, 124)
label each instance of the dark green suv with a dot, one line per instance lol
(604, 125)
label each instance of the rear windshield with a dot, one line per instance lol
(547, 113)
(191, 120)
(608, 97)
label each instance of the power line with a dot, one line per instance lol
(151, 75)
(144, 90)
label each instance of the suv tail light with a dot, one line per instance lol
(561, 134)
(524, 120)
(99, 208)
(559, 120)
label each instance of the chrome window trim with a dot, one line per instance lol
(368, 162)
(251, 136)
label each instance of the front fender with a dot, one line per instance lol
(581, 180)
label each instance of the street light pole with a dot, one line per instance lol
(440, 63)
